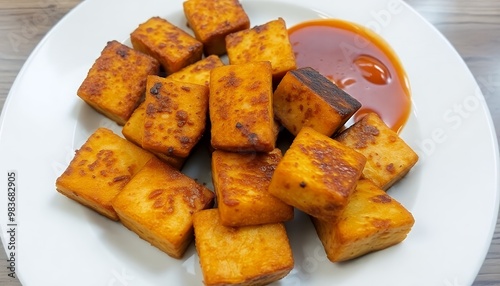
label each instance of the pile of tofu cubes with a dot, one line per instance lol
(171, 88)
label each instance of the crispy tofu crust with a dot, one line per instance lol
(240, 106)
(169, 44)
(176, 116)
(389, 158)
(158, 204)
(371, 221)
(241, 182)
(133, 130)
(251, 255)
(116, 82)
(100, 170)
(267, 42)
(212, 20)
(304, 97)
(317, 174)
(199, 72)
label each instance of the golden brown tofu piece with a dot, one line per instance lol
(169, 44)
(199, 72)
(176, 115)
(371, 221)
(116, 82)
(240, 106)
(267, 42)
(101, 168)
(389, 158)
(304, 97)
(158, 204)
(212, 20)
(250, 255)
(133, 130)
(317, 174)
(241, 182)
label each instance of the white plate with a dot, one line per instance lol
(452, 192)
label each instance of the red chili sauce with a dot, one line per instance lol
(358, 61)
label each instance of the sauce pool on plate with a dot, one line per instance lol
(358, 61)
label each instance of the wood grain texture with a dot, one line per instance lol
(472, 27)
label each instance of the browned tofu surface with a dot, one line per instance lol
(250, 255)
(212, 20)
(304, 97)
(100, 170)
(267, 42)
(176, 115)
(240, 106)
(133, 130)
(371, 221)
(241, 182)
(317, 174)
(158, 204)
(389, 158)
(116, 82)
(199, 72)
(167, 43)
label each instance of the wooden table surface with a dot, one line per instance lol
(472, 27)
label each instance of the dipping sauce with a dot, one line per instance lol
(358, 61)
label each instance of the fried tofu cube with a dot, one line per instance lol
(199, 72)
(250, 255)
(304, 97)
(116, 82)
(241, 183)
(158, 204)
(101, 168)
(388, 156)
(133, 130)
(240, 106)
(371, 221)
(212, 20)
(176, 116)
(169, 44)
(267, 42)
(317, 174)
